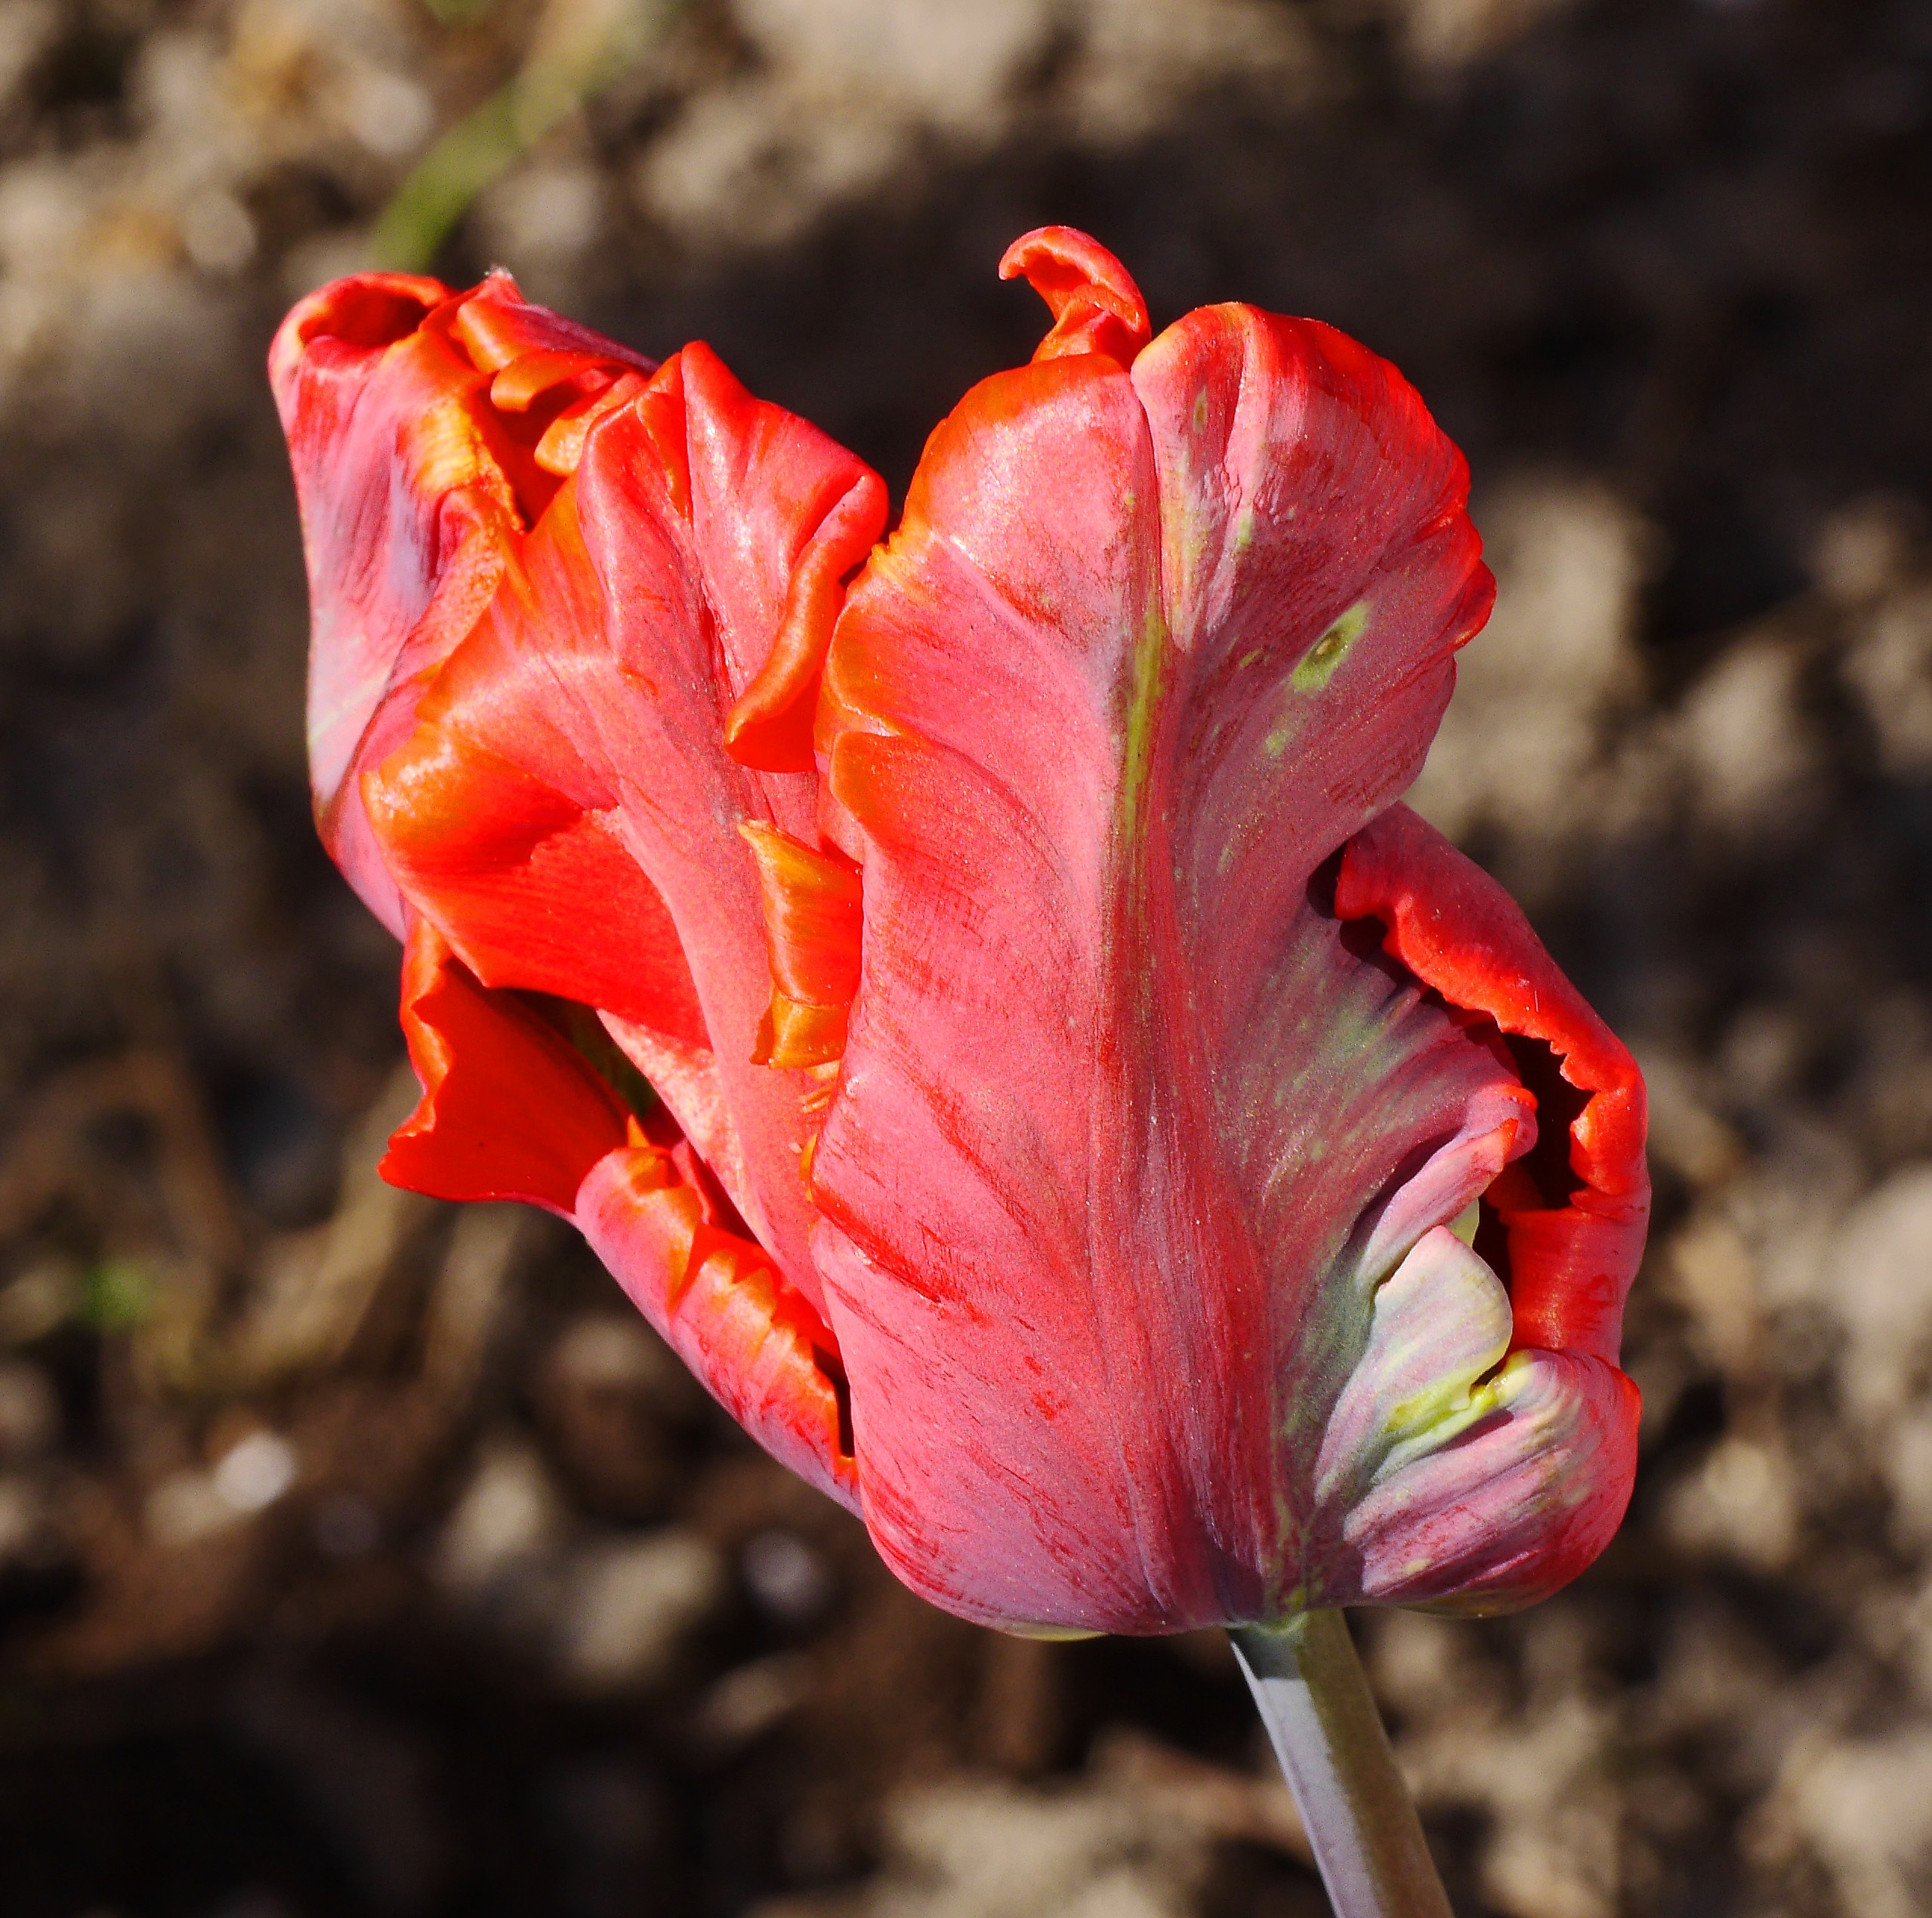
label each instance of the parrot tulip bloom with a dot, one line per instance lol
(1099, 1135)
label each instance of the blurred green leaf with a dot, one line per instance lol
(580, 47)
(428, 205)
(117, 1296)
(460, 13)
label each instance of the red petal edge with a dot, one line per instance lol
(1096, 306)
(753, 1341)
(1457, 931)
(510, 1109)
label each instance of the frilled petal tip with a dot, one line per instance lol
(1097, 308)
(754, 1340)
(427, 429)
(1570, 1265)
(1483, 1450)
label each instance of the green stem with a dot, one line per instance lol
(1323, 1725)
(441, 186)
(581, 47)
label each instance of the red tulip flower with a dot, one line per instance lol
(1099, 1135)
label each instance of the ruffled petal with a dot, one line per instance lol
(494, 829)
(813, 908)
(568, 809)
(1124, 1104)
(1517, 1508)
(1096, 307)
(523, 685)
(510, 1109)
(525, 347)
(1570, 1266)
(754, 1340)
(406, 517)
(414, 485)
(1452, 1471)
(770, 727)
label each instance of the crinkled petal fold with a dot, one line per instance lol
(409, 479)
(510, 1108)
(570, 613)
(1456, 1471)
(755, 1341)
(567, 809)
(1570, 1265)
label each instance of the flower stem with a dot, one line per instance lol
(1323, 1725)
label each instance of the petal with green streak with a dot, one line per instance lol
(1129, 1127)
(1453, 1470)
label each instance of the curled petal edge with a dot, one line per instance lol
(512, 1110)
(752, 1340)
(812, 903)
(1456, 1473)
(1097, 307)
(496, 859)
(1570, 1266)
(427, 429)
(769, 727)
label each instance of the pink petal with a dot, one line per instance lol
(1451, 1470)
(1123, 1102)
(510, 1110)
(568, 808)
(1570, 1265)
(414, 487)
(754, 1342)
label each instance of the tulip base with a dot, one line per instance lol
(1326, 1730)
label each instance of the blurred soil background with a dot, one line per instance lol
(356, 1557)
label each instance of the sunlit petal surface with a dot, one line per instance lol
(979, 995)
